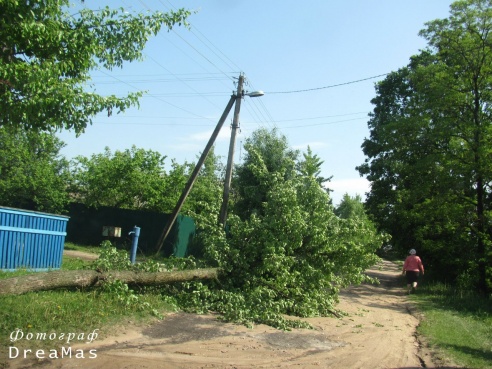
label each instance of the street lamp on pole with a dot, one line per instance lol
(254, 93)
(230, 158)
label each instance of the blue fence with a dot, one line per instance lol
(31, 240)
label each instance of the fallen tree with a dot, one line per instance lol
(87, 278)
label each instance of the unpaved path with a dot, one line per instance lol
(80, 255)
(378, 332)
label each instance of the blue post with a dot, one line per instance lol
(136, 234)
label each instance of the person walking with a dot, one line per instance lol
(412, 267)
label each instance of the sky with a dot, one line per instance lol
(317, 62)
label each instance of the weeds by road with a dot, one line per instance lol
(456, 323)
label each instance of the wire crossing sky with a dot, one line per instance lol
(325, 87)
(317, 62)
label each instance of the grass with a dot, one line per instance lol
(456, 323)
(68, 263)
(70, 310)
(84, 248)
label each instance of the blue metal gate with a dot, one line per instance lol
(31, 240)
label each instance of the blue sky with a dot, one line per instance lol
(282, 47)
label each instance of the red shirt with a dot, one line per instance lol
(413, 263)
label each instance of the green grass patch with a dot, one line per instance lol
(457, 323)
(64, 311)
(84, 248)
(68, 263)
(79, 311)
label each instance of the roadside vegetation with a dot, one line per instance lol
(455, 323)
(106, 308)
(286, 249)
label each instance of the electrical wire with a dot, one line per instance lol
(257, 108)
(324, 124)
(325, 87)
(164, 101)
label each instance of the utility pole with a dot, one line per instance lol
(230, 158)
(194, 175)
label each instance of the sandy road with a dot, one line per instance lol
(378, 332)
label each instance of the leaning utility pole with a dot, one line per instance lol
(194, 175)
(230, 158)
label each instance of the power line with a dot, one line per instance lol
(155, 97)
(324, 124)
(245, 122)
(324, 116)
(161, 80)
(325, 87)
(227, 62)
(184, 82)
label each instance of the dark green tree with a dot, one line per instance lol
(429, 152)
(47, 53)
(351, 207)
(33, 174)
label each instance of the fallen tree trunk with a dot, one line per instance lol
(87, 278)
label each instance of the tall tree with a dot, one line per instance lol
(47, 55)
(33, 174)
(351, 207)
(311, 167)
(463, 47)
(430, 144)
(272, 150)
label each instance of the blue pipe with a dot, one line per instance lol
(136, 234)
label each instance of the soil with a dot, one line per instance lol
(378, 331)
(80, 255)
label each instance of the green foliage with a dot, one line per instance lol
(136, 179)
(207, 190)
(48, 53)
(311, 167)
(33, 176)
(288, 258)
(351, 208)
(110, 258)
(457, 322)
(273, 149)
(428, 155)
(131, 179)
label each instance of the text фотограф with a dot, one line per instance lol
(64, 352)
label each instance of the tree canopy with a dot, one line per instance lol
(287, 256)
(47, 54)
(272, 150)
(138, 179)
(33, 174)
(429, 152)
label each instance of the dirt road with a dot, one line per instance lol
(378, 332)
(80, 255)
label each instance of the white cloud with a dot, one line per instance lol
(193, 147)
(351, 186)
(313, 145)
(224, 134)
